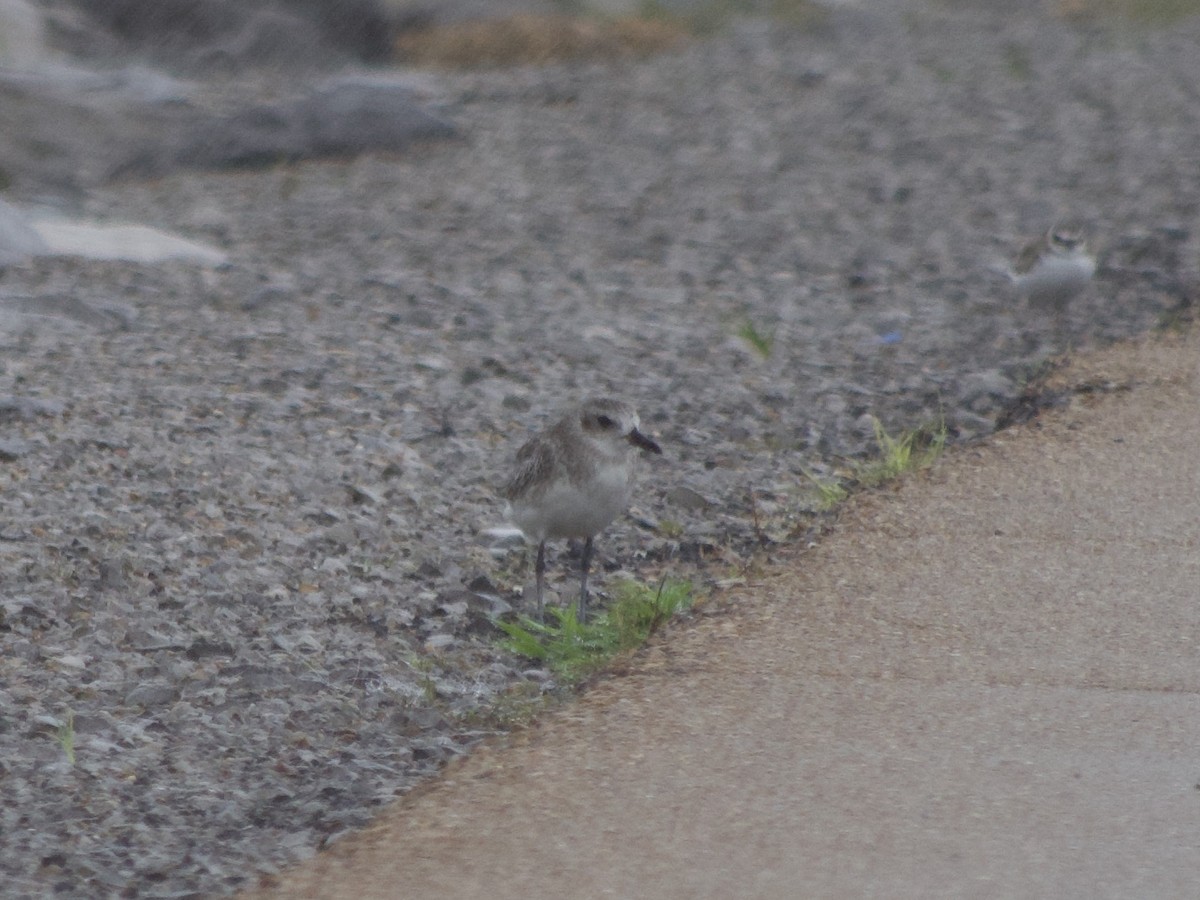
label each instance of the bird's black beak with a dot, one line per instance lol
(642, 442)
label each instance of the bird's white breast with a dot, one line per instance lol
(1057, 277)
(569, 509)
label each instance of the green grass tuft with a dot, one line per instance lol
(1018, 62)
(1179, 318)
(709, 16)
(640, 609)
(1144, 12)
(65, 735)
(763, 342)
(573, 650)
(669, 528)
(916, 449)
(830, 491)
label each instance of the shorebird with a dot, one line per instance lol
(1052, 270)
(572, 479)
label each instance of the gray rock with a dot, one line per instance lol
(12, 449)
(112, 576)
(49, 308)
(29, 407)
(202, 34)
(136, 243)
(18, 238)
(352, 116)
(151, 695)
(984, 391)
(64, 133)
(270, 38)
(342, 118)
(686, 498)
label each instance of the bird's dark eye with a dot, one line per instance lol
(605, 422)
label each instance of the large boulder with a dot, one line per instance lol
(200, 35)
(341, 117)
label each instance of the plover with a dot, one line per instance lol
(1054, 269)
(572, 479)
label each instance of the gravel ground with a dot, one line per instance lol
(242, 545)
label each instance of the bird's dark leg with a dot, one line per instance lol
(540, 569)
(584, 564)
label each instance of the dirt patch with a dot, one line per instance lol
(536, 40)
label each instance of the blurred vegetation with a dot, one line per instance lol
(541, 39)
(707, 16)
(536, 40)
(1150, 12)
(663, 25)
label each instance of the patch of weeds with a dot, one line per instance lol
(830, 491)
(289, 184)
(514, 708)
(536, 40)
(762, 342)
(1017, 62)
(65, 736)
(640, 609)
(944, 74)
(805, 13)
(1178, 318)
(916, 449)
(429, 689)
(1145, 12)
(572, 650)
(671, 529)
(709, 16)
(1035, 394)
(1036, 373)
(1027, 407)
(425, 669)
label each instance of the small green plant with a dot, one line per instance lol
(428, 689)
(669, 528)
(572, 650)
(916, 449)
(569, 648)
(425, 669)
(1145, 12)
(709, 16)
(65, 735)
(514, 708)
(1179, 318)
(640, 609)
(830, 491)
(942, 73)
(763, 342)
(1018, 63)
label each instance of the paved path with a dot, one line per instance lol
(984, 684)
